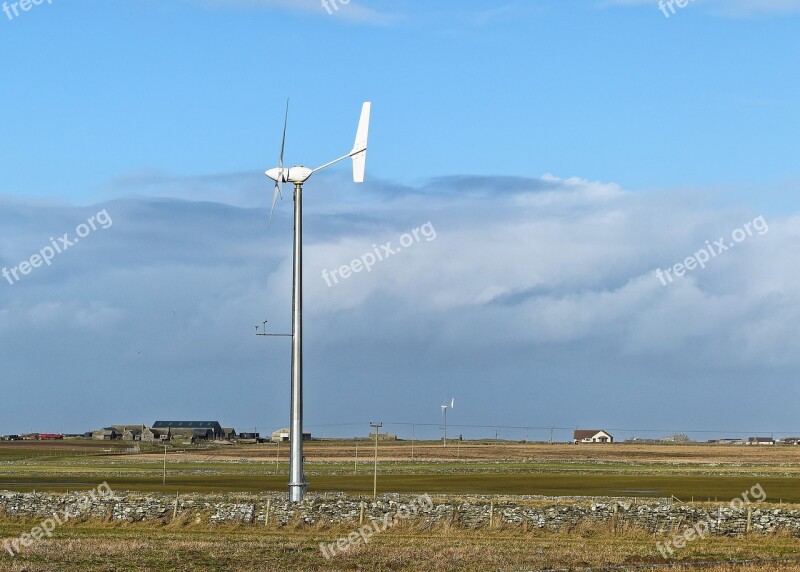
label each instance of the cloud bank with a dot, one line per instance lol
(536, 304)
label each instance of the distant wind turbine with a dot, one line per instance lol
(445, 407)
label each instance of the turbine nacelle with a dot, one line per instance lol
(299, 175)
(291, 175)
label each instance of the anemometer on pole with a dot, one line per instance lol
(297, 176)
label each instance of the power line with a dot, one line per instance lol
(556, 428)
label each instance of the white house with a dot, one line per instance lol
(592, 436)
(761, 441)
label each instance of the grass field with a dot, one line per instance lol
(698, 472)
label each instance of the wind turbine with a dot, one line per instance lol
(444, 414)
(297, 176)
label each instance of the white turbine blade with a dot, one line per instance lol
(283, 148)
(359, 152)
(281, 176)
(283, 141)
(274, 201)
(452, 403)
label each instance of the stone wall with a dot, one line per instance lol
(552, 514)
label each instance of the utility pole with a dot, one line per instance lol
(412, 442)
(355, 463)
(377, 427)
(551, 435)
(164, 479)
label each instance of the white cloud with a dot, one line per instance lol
(354, 11)
(727, 8)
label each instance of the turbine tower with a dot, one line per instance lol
(297, 176)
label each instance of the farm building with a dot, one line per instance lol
(209, 430)
(282, 436)
(129, 432)
(228, 433)
(592, 436)
(152, 436)
(106, 434)
(202, 435)
(132, 434)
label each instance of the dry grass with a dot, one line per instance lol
(183, 545)
(326, 451)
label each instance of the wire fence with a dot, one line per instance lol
(541, 433)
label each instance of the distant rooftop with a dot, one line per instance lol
(186, 424)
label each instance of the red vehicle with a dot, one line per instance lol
(50, 436)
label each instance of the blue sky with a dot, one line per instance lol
(563, 150)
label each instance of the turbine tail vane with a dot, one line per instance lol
(359, 152)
